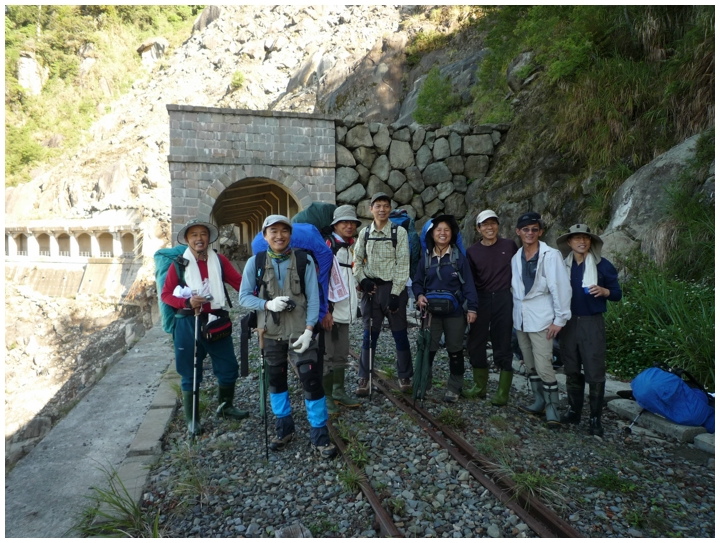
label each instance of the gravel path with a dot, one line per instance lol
(616, 486)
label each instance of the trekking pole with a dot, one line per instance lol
(263, 391)
(628, 429)
(193, 424)
(372, 351)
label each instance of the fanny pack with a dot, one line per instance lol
(217, 329)
(442, 303)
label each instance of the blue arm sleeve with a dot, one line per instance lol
(247, 287)
(311, 293)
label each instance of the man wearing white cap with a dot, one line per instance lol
(490, 260)
(204, 274)
(287, 316)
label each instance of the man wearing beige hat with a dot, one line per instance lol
(341, 312)
(593, 280)
(492, 274)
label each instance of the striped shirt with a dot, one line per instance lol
(379, 260)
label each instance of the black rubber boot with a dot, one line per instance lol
(225, 410)
(537, 408)
(597, 398)
(575, 384)
(552, 405)
(196, 428)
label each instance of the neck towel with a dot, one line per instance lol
(590, 275)
(213, 284)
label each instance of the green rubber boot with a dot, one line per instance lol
(225, 410)
(479, 388)
(193, 429)
(327, 382)
(338, 389)
(503, 392)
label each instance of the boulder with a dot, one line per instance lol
(418, 138)
(375, 185)
(340, 133)
(518, 71)
(343, 157)
(424, 157)
(403, 134)
(358, 136)
(208, 15)
(382, 140)
(30, 74)
(436, 173)
(351, 195)
(414, 177)
(418, 205)
(344, 178)
(381, 167)
(364, 174)
(365, 156)
(404, 194)
(445, 189)
(410, 210)
(460, 183)
(302, 76)
(455, 205)
(617, 244)
(396, 179)
(455, 142)
(476, 166)
(434, 207)
(363, 209)
(114, 182)
(401, 155)
(428, 195)
(478, 144)
(441, 149)
(455, 164)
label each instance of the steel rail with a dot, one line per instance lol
(542, 520)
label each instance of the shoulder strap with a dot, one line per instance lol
(180, 264)
(301, 260)
(393, 234)
(259, 271)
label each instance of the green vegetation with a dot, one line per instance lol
(423, 43)
(238, 80)
(452, 418)
(609, 480)
(350, 479)
(60, 37)
(435, 99)
(321, 526)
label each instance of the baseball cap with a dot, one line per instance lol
(531, 217)
(379, 196)
(485, 215)
(275, 219)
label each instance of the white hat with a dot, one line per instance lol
(485, 215)
(275, 219)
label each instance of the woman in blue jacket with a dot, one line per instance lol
(446, 272)
(594, 281)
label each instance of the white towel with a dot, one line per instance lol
(590, 275)
(212, 285)
(337, 290)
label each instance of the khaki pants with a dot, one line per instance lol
(537, 353)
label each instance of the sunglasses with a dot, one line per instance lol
(527, 230)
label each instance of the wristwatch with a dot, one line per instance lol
(187, 303)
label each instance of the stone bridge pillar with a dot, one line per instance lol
(54, 247)
(33, 248)
(12, 245)
(74, 246)
(117, 250)
(94, 245)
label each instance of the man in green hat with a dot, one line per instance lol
(200, 293)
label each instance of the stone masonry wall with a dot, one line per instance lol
(213, 148)
(425, 170)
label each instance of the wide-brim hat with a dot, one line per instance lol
(595, 245)
(212, 231)
(275, 219)
(454, 229)
(345, 213)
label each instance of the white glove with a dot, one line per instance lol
(278, 304)
(303, 342)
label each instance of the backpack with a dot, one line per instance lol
(667, 393)
(164, 258)
(319, 214)
(400, 218)
(307, 239)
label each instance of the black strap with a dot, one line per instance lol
(301, 259)
(393, 234)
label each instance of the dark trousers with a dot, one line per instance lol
(582, 347)
(494, 320)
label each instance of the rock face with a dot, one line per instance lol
(152, 50)
(30, 74)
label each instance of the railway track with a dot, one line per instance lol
(538, 517)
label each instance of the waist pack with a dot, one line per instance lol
(442, 303)
(217, 329)
(667, 394)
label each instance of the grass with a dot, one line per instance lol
(396, 506)
(497, 447)
(357, 451)
(452, 418)
(609, 480)
(114, 513)
(321, 525)
(238, 80)
(350, 479)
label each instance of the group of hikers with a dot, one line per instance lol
(542, 293)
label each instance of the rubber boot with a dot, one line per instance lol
(503, 392)
(480, 381)
(327, 382)
(537, 408)
(225, 410)
(552, 405)
(193, 429)
(575, 385)
(338, 389)
(597, 397)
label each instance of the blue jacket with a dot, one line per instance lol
(585, 305)
(450, 280)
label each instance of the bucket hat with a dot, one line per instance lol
(275, 219)
(595, 245)
(212, 231)
(345, 213)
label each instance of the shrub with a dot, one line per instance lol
(436, 99)
(238, 80)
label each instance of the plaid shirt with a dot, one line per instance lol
(379, 260)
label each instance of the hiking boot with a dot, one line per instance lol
(279, 443)
(537, 408)
(503, 392)
(405, 385)
(325, 451)
(363, 388)
(480, 381)
(225, 408)
(450, 396)
(338, 389)
(327, 382)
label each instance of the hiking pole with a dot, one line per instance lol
(193, 424)
(263, 391)
(628, 429)
(372, 351)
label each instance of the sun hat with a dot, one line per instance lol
(595, 245)
(345, 213)
(485, 215)
(212, 231)
(379, 196)
(275, 219)
(531, 217)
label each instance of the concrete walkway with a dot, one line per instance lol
(116, 426)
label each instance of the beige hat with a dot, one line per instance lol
(211, 228)
(345, 213)
(595, 246)
(485, 215)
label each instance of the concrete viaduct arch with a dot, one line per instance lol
(232, 166)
